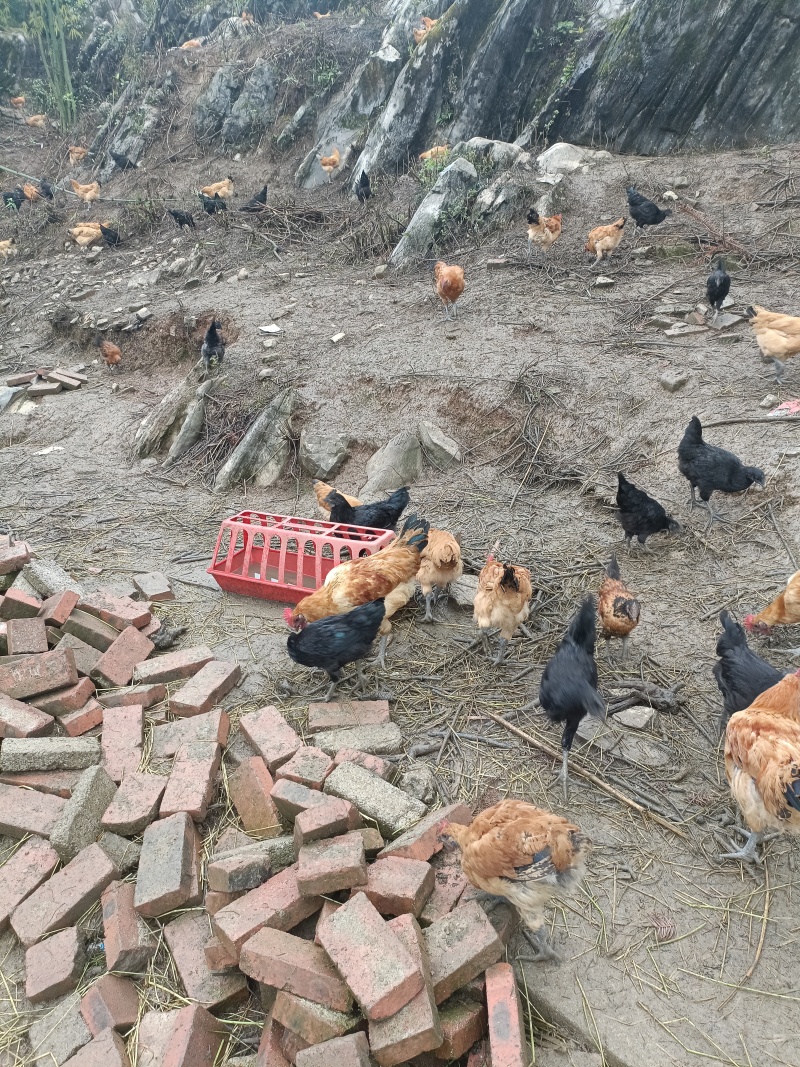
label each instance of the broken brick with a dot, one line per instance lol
(28, 867)
(84, 719)
(270, 735)
(111, 1002)
(58, 1032)
(56, 783)
(123, 733)
(313, 1022)
(215, 900)
(86, 657)
(330, 819)
(448, 885)
(206, 688)
(213, 726)
(463, 1022)
(508, 1045)
(277, 903)
(239, 872)
(26, 811)
(308, 766)
(349, 1051)
(154, 586)
(116, 666)
(53, 967)
(270, 1052)
(191, 783)
(218, 957)
(18, 605)
(399, 886)
(62, 701)
(117, 611)
(135, 803)
(284, 961)
(31, 675)
(195, 1039)
(324, 867)
(249, 789)
(163, 882)
(461, 946)
(65, 897)
(355, 937)
(26, 637)
(21, 720)
(291, 798)
(14, 557)
(146, 695)
(346, 714)
(100, 635)
(422, 840)
(382, 767)
(186, 938)
(129, 945)
(105, 1050)
(184, 663)
(57, 609)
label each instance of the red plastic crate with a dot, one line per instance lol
(277, 557)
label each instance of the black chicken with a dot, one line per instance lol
(212, 204)
(166, 636)
(718, 286)
(639, 514)
(332, 643)
(121, 161)
(568, 689)
(110, 236)
(14, 198)
(213, 348)
(380, 516)
(740, 674)
(256, 203)
(46, 189)
(643, 211)
(363, 187)
(710, 469)
(182, 218)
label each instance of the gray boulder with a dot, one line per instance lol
(193, 423)
(321, 455)
(398, 463)
(446, 200)
(159, 428)
(254, 109)
(500, 154)
(261, 456)
(215, 105)
(563, 158)
(297, 125)
(440, 450)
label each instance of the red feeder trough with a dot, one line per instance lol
(276, 557)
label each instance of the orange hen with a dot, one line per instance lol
(762, 763)
(86, 193)
(39, 121)
(783, 611)
(524, 855)
(602, 240)
(321, 492)
(543, 230)
(112, 356)
(330, 163)
(77, 153)
(619, 610)
(17, 101)
(440, 565)
(502, 601)
(449, 285)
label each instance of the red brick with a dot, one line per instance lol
(153, 1035)
(55, 783)
(215, 900)
(448, 885)
(507, 1042)
(54, 966)
(129, 945)
(232, 839)
(38, 674)
(241, 871)
(196, 1039)
(54, 637)
(146, 695)
(186, 938)
(350, 1051)
(397, 886)
(345, 714)
(195, 898)
(313, 1022)
(26, 637)
(328, 908)
(213, 726)
(291, 1043)
(373, 842)
(121, 744)
(269, 1052)
(115, 667)
(249, 789)
(30, 865)
(152, 627)
(206, 688)
(57, 609)
(421, 841)
(84, 719)
(324, 867)
(284, 961)
(371, 958)
(22, 379)
(62, 701)
(105, 1050)
(135, 803)
(27, 811)
(308, 766)
(184, 663)
(111, 1002)
(277, 904)
(19, 605)
(120, 612)
(191, 783)
(163, 882)
(382, 767)
(65, 897)
(291, 798)
(14, 557)
(463, 1022)
(461, 946)
(270, 735)
(325, 820)
(86, 657)
(100, 635)
(154, 586)
(21, 720)
(218, 957)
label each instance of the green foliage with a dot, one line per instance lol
(326, 72)
(430, 169)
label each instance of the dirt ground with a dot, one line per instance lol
(669, 955)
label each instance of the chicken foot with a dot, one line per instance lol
(502, 647)
(748, 852)
(540, 943)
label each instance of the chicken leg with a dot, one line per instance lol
(430, 600)
(748, 851)
(381, 657)
(502, 646)
(540, 943)
(563, 774)
(780, 370)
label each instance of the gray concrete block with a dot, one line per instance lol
(79, 822)
(393, 810)
(49, 753)
(385, 739)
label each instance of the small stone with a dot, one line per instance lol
(243, 273)
(769, 401)
(269, 343)
(673, 380)
(337, 337)
(264, 374)
(682, 329)
(192, 283)
(724, 320)
(637, 718)
(442, 451)
(681, 182)
(143, 314)
(660, 322)
(602, 281)
(272, 328)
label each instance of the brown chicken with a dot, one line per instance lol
(778, 337)
(449, 285)
(330, 163)
(87, 193)
(196, 42)
(224, 189)
(783, 611)
(502, 601)
(420, 35)
(39, 121)
(436, 152)
(440, 565)
(543, 230)
(428, 23)
(321, 492)
(602, 240)
(77, 153)
(112, 356)
(247, 17)
(390, 573)
(762, 763)
(7, 248)
(31, 192)
(17, 101)
(317, 15)
(618, 609)
(86, 234)
(522, 854)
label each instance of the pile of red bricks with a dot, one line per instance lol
(45, 381)
(328, 895)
